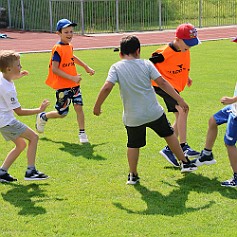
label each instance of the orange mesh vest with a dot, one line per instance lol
(67, 65)
(175, 67)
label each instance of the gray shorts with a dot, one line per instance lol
(13, 130)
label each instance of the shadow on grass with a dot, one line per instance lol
(25, 197)
(86, 150)
(175, 202)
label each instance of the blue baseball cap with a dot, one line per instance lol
(63, 23)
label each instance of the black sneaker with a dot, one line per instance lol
(230, 183)
(204, 160)
(187, 167)
(6, 178)
(35, 175)
(133, 179)
(189, 152)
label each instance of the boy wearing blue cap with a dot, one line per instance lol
(63, 78)
(173, 63)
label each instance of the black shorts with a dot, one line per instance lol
(169, 101)
(137, 135)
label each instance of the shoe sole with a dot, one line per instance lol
(212, 162)
(36, 179)
(189, 170)
(167, 158)
(228, 186)
(132, 182)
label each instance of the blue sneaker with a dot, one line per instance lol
(189, 152)
(169, 156)
(230, 183)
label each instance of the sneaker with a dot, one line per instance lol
(204, 160)
(188, 167)
(40, 123)
(35, 175)
(189, 152)
(133, 179)
(83, 138)
(230, 183)
(169, 156)
(6, 178)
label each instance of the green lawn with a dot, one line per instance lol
(86, 194)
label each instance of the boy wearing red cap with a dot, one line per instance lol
(226, 115)
(173, 63)
(64, 79)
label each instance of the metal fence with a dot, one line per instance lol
(105, 16)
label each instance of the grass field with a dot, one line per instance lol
(86, 194)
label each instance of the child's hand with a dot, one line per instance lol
(77, 78)
(90, 71)
(22, 74)
(227, 100)
(97, 110)
(44, 105)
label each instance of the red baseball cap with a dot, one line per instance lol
(235, 40)
(188, 33)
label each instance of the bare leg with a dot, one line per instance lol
(175, 147)
(232, 154)
(33, 138)
(133, 154)
(14, 153)
(211, 134)
(181, 118)
(54, 114)
(80, 116)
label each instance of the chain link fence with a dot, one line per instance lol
(107, 16)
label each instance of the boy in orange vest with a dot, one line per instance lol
(173, 63)
(64, 79)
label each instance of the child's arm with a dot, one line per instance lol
(59, 72)
(166, 86)
(228, 100)
(104, 92)
(24, 112)
(22, 74)
(84, 65)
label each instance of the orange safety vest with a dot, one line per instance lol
(175, 67)
(66, 64)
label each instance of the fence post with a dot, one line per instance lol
(117, 16)
(23, 14)
(200, 13)
(160, 17)
(9, 13)
(82, 18)
(50, 16)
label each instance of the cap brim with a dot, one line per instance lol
(67, 25)
(235, 40)
(192, 42)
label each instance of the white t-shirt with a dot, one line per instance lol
(8, 101)
(138, 96)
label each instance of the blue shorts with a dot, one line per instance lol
(65, 97)
(226, 116)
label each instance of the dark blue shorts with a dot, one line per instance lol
(137, 135)
(65, 97)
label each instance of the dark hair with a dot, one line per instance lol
(129, 44)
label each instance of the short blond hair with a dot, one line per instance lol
(7, 58)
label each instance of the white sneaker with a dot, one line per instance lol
(83, 138)
(40, 123)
